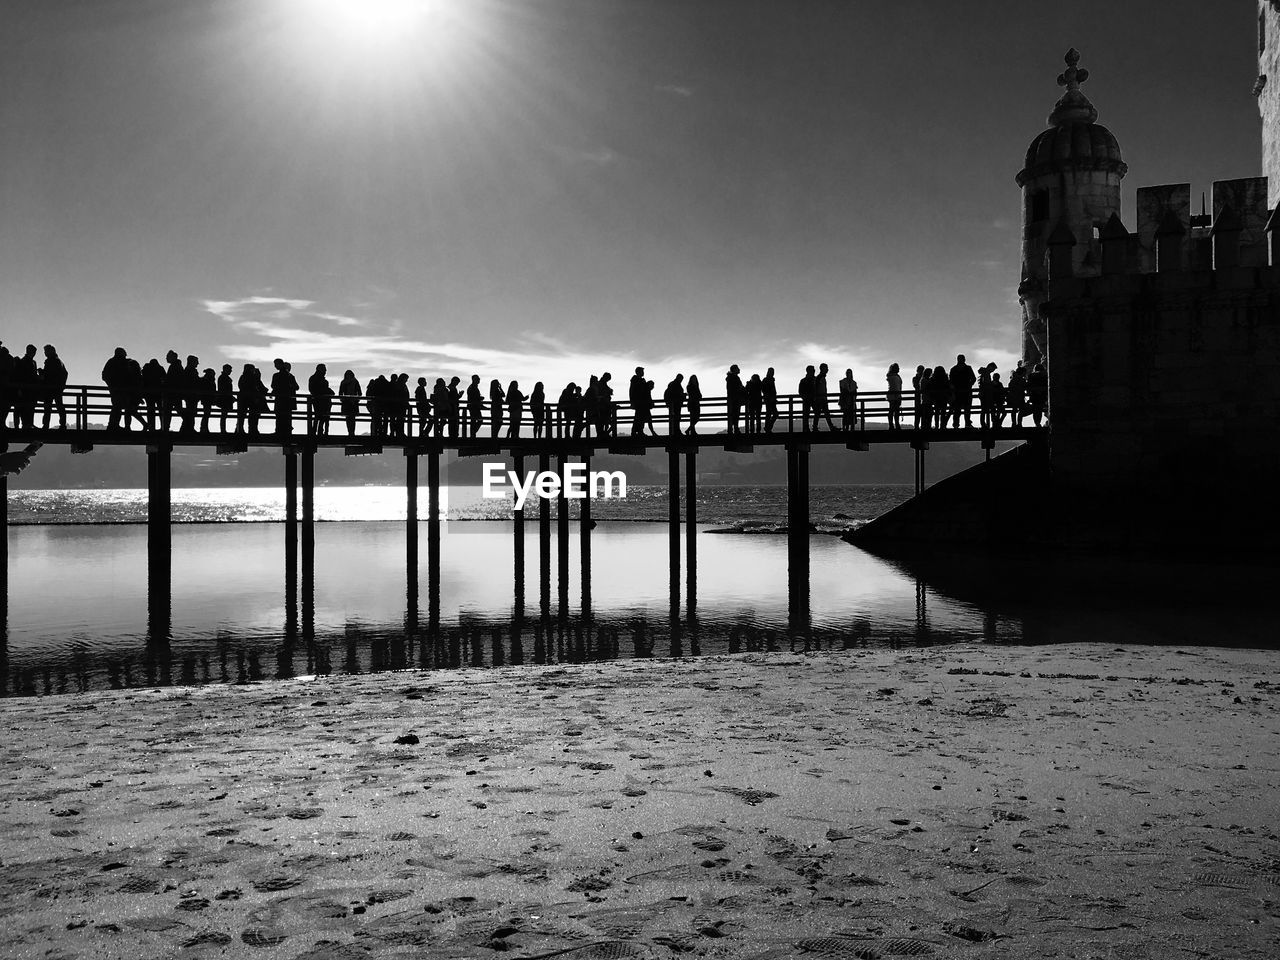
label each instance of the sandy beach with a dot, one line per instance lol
(1084, 801)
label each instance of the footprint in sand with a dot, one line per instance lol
(214, 938)
(275, 884)
(260, 937)
(746, 794)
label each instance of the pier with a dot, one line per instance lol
(558, 445)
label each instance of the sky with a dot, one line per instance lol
(545, 189)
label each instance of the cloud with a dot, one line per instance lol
(601, 157)
(674, 89)
(269, 327)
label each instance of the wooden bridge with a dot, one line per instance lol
(300, 433)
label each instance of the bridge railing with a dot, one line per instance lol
(188, 413)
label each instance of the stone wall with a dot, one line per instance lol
(1164, 394)
(1268, 88)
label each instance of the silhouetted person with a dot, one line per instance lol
(53, 378)
(475, 406)
(208, 394)
(693, 400)
(153, 377)
(591, 405)
(6, 383)
(226, 395)
(246, 400)
(821, 401)
(174, 382)
(635, 389)
(321, 395)
(769, 394)
(606, 425)
(962, 380)
(1017, 395)
(997, 399)
(422, 403)
(440, 405)
(381, 392)
(349, 394)
(1037, 392)
(285, 389)
(984, 394)
(734, 394)
(806, 389)
(566, 409)
(754, 402)
(455, 406)
(115, 374)
(402, 399)
(190, 394)
(848, 400)
(26, 388)
(497, 400)
(673, 397)
(939, 395)
(893, 381)
(919, 400)
(515, 409)
(538, 407)
(133, 392)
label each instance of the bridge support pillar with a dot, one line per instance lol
(691, 527)
(291, 526)
(308, 455)
(673, 522)
(159, 546)
(584, 545)
(798, 535)
(544, 541)
(517, 533)
(4, 537)
(411, 537)
(411, 511)
(433, 536)
(562, 540)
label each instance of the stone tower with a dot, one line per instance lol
(1267, 90)
(1070, 181)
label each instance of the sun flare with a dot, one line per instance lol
(376, 21)
(368, 31)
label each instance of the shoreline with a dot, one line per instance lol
(958, 800)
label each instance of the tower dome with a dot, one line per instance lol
(1070, 179)
(1074, 146)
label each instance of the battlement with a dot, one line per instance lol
(1241, 231)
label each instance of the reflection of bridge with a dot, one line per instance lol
(393, 424)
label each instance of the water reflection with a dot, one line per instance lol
(212, 617)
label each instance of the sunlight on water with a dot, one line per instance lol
(833, 506)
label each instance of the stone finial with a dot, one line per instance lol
(1074, 106)
(1073, 76)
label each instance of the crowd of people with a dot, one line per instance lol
(176, 394)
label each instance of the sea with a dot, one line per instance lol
(82, 611)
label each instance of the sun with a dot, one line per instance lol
(365, 29)
(376, 22)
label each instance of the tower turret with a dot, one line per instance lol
(1071, 179)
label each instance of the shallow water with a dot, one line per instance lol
(80, 612)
